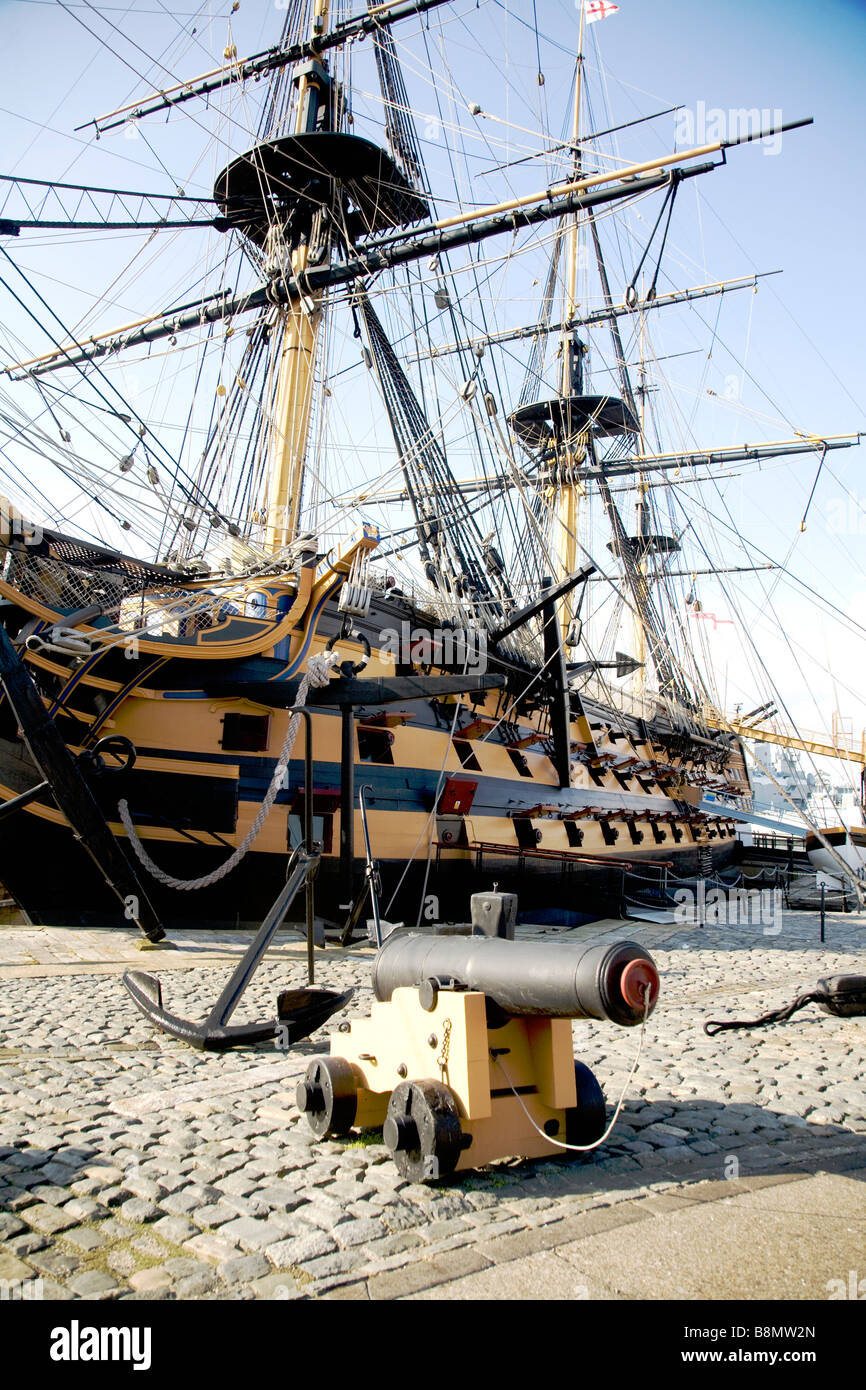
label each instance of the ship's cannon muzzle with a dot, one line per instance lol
(618, 982)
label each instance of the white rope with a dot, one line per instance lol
(584, 1148)
(317, 674)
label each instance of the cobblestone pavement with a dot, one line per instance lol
(132, 1167)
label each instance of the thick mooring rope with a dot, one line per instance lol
(317, 674)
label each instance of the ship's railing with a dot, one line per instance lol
(792, 844)
(655, 874)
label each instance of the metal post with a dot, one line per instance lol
(557, 683)
(309, 886)
(823, 891)
(309, 847)
(347, 804)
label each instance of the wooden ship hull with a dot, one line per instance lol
(450, 807)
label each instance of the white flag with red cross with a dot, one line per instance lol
(598, 9)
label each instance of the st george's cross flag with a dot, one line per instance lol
(598, 9)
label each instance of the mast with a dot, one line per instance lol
(299, 321)
(567, 489)
(640, 643)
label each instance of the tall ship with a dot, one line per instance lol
(396, 454)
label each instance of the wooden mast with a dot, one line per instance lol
(567, 490)
(640, 639)
(299, 322)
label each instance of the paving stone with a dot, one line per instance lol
(54, 1292)
(251, 1234)
(195, 1285)
(298, 1251)
(20, 1201)
(48, 1219)
(251, 1206)
(289, 1223)
(213, 1248)
(280, 1196)
(143, 1187)
(348, 1190)
(53, 1262)
(747, 1100)
(238, 1184)
(92, 1284)
(175, 1228)
(350, 1233)
(150, 1280)
(400, 1216)
(85, 1209)
(60, 1173)
(28, 1158)
(25, 1244)
(104, 1174)
(51, 1193)
(397, 1243)
(85, 1238)
(22, 1182)
(213, 1216)
(242, 1269)
(325, 1215)
(13, 1269)
(179, 1203)
(344, 1292)
(148, 1296)
(425, 1274)
(340, 1262)
(280, 1288)
(118, 1230)
(138, 1210)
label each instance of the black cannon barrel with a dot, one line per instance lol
(545, 979)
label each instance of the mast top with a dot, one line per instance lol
(558, 422)
(281, 180)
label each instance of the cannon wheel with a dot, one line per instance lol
(328, 1096)
(422, 1130)
(586, 1121)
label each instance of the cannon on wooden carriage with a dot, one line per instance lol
(467, 1054)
